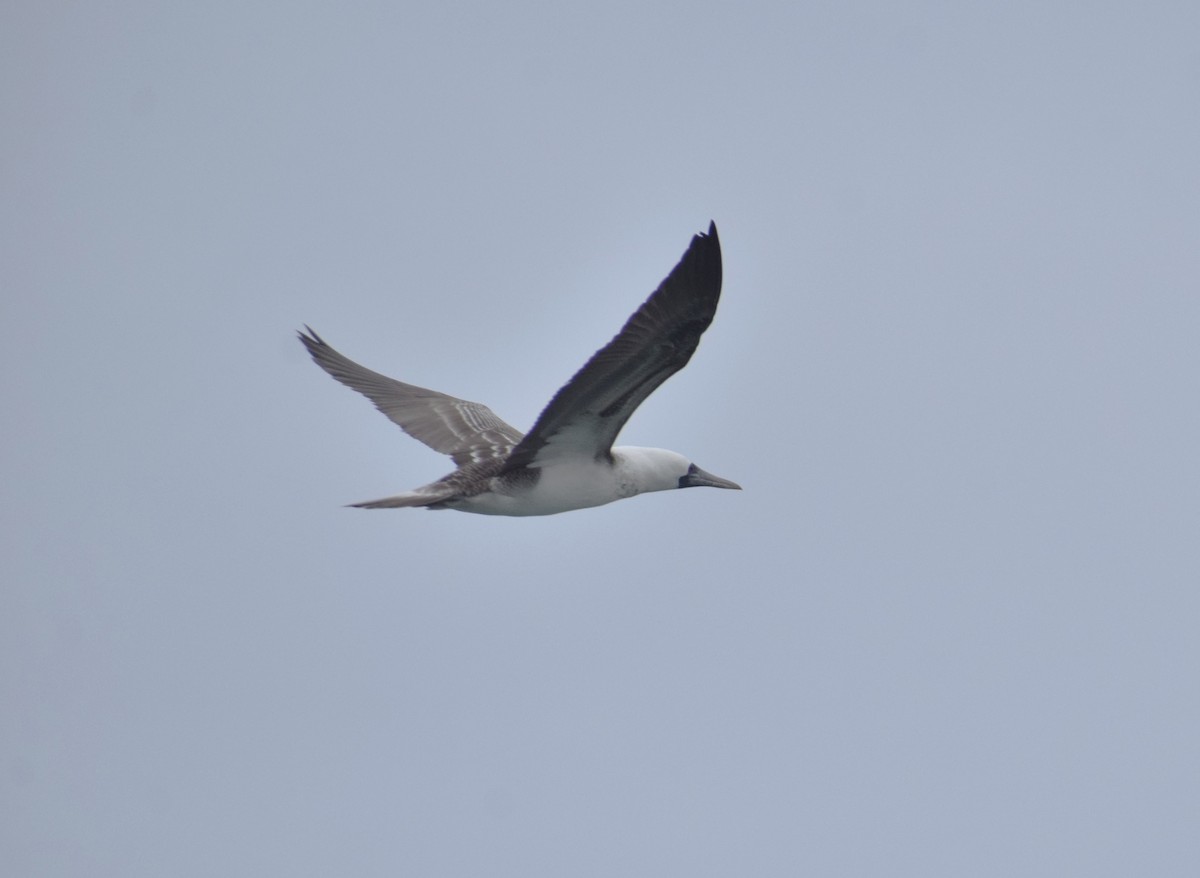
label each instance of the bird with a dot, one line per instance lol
(567, 460)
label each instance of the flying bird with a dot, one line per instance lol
(567, 461)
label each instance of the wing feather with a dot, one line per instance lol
(467, 431)
(586, 415)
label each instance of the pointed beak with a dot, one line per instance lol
(701, 479)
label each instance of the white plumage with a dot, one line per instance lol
(567, 461)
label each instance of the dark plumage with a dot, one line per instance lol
(567, 460)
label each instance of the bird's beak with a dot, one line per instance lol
(701, 479)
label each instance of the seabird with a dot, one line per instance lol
(567, 461)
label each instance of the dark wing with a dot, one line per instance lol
(467, 431)
(586, 415)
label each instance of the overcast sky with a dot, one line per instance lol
(949, 628)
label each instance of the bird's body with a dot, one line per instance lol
(567, 461)
(557, 487)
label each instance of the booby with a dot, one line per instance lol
(567, 461)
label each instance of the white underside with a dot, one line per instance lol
(573, 483)
(560, 488)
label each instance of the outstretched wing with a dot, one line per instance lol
(586, 415)
(467, 431)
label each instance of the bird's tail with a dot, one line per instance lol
(430, 495)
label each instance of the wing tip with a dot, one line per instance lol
(708, 242)
(310, 338)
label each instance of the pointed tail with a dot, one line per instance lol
(427, 496)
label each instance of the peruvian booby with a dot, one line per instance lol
(567, 461)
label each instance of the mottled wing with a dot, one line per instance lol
(586, 415)
(467, 431)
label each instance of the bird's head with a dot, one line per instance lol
(656, 469)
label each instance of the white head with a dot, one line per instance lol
(656, 469)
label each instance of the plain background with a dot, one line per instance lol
(949, 627)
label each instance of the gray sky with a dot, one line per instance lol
(948, 628)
